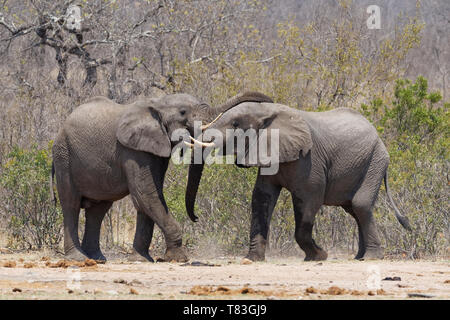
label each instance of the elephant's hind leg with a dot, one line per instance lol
(70, 200)
(91, 240)
(362, 205)
(369, 246)
(304, 222)
(361, 246)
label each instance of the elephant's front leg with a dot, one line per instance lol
(264, 199)
(146, 193)
(305, 212)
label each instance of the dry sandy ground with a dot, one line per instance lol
(33, 276)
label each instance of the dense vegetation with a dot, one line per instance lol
(213, 50)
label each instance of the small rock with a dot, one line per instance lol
(29, 265)
(133, 291)
(311, 290)
(356, 293)
(69, 291)
(16, 290)
(246, 261)
(381, 292)
(120, 280)
(90, 263)
(419, 295)
(392, 279)
(371, 293)
(135, 282)
(9, 264)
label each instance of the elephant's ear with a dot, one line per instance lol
(140, 128)
(293, 132)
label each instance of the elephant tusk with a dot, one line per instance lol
(188, 144)
(203, 144)
(206, 126)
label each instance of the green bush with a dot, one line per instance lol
(415, 128)
(34, 222)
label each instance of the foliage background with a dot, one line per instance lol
(311, 55)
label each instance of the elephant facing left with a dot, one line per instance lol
(105, 151)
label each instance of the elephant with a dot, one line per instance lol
(105, 151)
(333, 158)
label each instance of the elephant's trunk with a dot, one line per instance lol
(211, 115)
(195, 175)
(249, 96)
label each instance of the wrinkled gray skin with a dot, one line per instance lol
(105, 151)
(326, 158)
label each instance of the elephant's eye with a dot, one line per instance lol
(235, 124)
(183, 112)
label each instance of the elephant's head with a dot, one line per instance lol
(148, 125)
(220, 119)
(291, 134)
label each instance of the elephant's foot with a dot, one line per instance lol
(97, 256)
(317, 255)
(373, 254)
(359, 255)
(141, 256)
(254, 256)
(175, 254)
(75, 255)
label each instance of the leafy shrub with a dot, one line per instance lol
(33, 219)
(415, 128)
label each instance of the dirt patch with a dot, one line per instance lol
(337, 291)
(133, 291)
(9, 264)
(29, 265)
(221, 278)
(67, 263)
(221, 290)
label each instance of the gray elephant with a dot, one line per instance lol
(105, 151)
(325, 158)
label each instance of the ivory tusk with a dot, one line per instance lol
(206, 126)
(203, 144)
(188, 144)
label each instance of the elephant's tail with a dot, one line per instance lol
(404, 221)
(52, 192)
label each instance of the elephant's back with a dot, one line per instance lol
(350, 143)
(97, 112)
(90, 139)
(340, 119)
